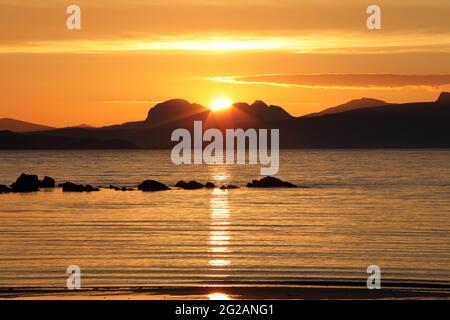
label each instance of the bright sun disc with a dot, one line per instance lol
(220, 104)
(218, 296)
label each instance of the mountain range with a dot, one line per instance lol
(21, 126)
(362, 123)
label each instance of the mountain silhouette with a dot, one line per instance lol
(173, 111)
(363, 123)
(34, 141)
(444, 97)
(351, 105)
(21, 126)
(181, 113)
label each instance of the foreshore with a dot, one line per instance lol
(325, 291)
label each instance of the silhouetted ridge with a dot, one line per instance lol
(173, 110)
(351, 105)
(362, 123)
(79, 139)
(261, 111)
(21, 126)
(177, 112)
(444, 97)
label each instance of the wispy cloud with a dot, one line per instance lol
(208, 43)
(151, 102)
(168, 44)
(339, 81)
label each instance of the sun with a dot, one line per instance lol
(218, 296)
(220, 104)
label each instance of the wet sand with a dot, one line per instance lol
(312, 292)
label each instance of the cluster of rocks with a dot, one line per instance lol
(270, 182)
(152, 185)
(72, 187)
(31, 183)
(229, 187)
(194, 185)
(120, 188)
(267, 182)
(191, 185)
(28, 183)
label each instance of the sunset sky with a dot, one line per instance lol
(304, 55)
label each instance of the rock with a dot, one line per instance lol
(89, 188)
(72, 187)
(26, 183)
(210, 185)
(270, 182)
(229, 187)
(191, 185)
(152, 185)
(120, 188)
(126, 189)
(47, 183)
(5, 189)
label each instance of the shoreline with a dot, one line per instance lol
(322, 291)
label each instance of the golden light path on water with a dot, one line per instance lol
(218, 296)
(219, 235)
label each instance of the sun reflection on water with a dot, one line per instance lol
(218, 296)
(219, 235)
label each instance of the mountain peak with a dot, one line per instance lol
(181, 111)
(444, 97)
(354, 104)
(172, 110)
(262, 111)
(259, 104)
(366, 102)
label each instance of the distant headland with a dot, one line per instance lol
(362, 123)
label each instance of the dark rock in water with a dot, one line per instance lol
(181, 184)
(270, 182)
(152, 185)
(191, 185)
(126, 189)
(72, 187)
(26, 183)
(121, 188)
(229, 187)
(89, 188)
(210, 185)
(47, 183)
(5, 189)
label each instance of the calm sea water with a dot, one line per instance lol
(388, 208)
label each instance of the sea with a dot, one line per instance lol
(352, 209)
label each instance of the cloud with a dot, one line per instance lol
(340, 81)
(146, 102)
(321, 44)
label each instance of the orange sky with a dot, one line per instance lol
(304, 55)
